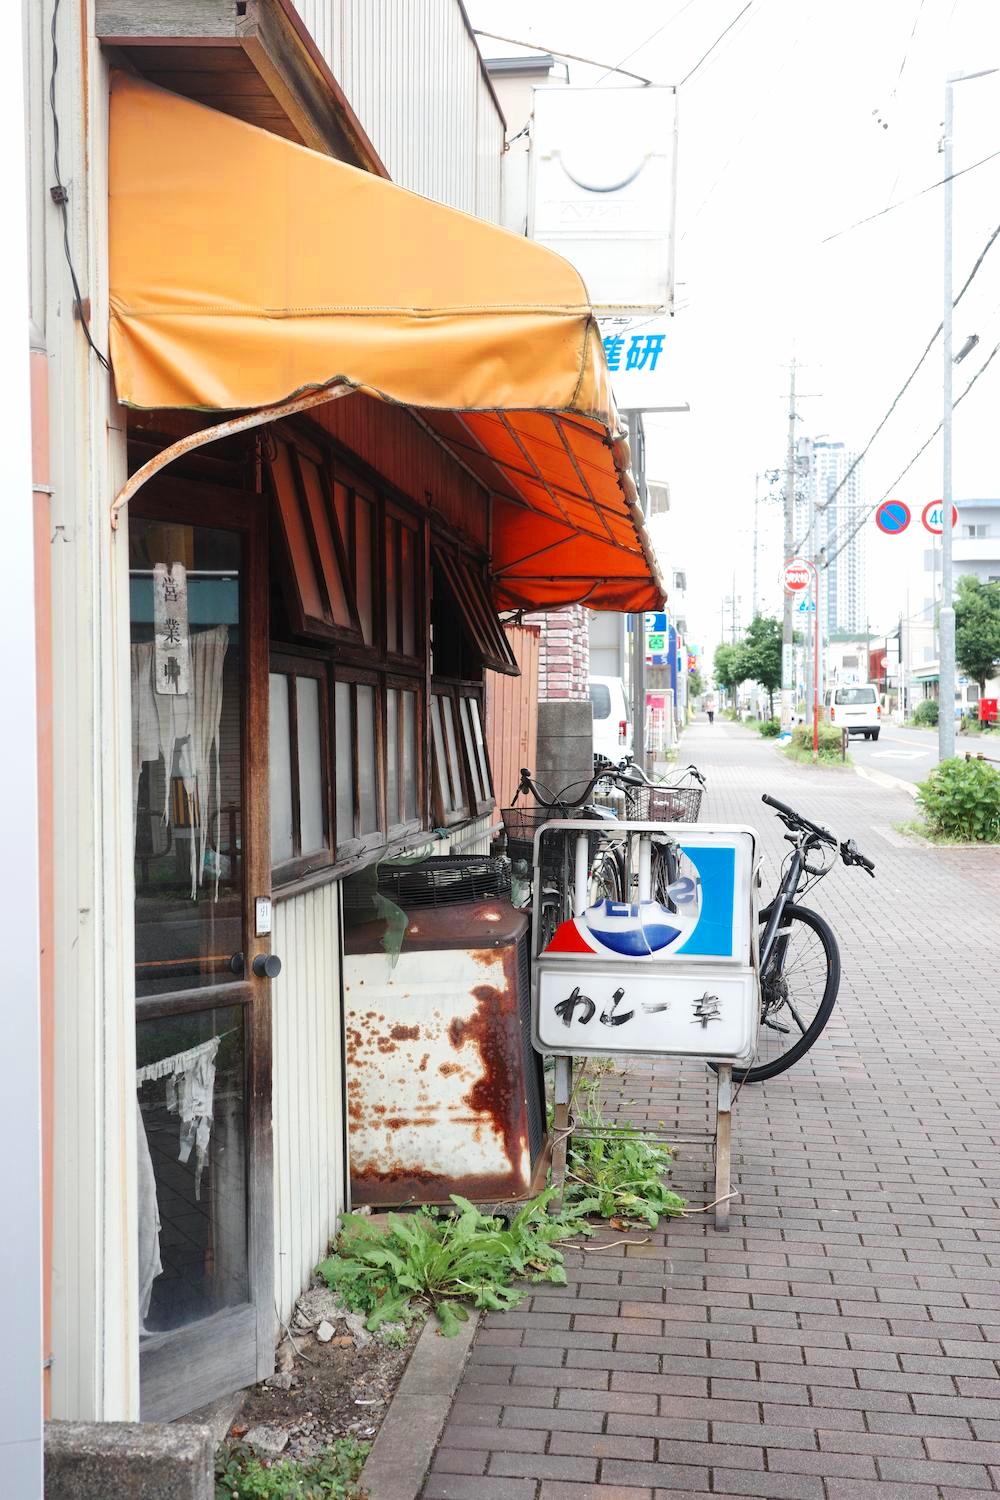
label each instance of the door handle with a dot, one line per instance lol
(267, 965)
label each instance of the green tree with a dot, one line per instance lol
(696, 685)
(762, 647)
(977, 628)
(731, 667)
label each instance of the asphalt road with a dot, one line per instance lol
(910, 753)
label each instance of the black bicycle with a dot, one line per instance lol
(614, 793)
(799, 957)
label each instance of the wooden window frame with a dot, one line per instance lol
(294, 509)
(474, 692)
(406, 683)
(466, 581)
(392, 513)
(473, 807)
(359, 843)
(292, 664)
(463, 814)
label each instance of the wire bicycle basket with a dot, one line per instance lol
(673, 804)
(521, 825)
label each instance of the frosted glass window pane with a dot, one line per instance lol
(307, 703)
(280, 756)
(392, 755)
(470, 750)
(440, 757)
(409, 739)
(408, 603)
(482, 757)
(345, 762)
(363, 554)
(367, 768)
(448, 718)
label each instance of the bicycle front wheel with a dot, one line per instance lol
(798, 992)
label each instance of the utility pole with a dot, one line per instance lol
(756, 504)
(638, 663)
(812, 677)
(787, 623)
(946, 662)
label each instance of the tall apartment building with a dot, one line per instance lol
(822, 467)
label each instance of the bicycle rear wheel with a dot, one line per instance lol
(798, 992)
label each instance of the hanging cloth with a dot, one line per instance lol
(190, 1094)
(150, 1264)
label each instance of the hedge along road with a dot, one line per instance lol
(911, 754)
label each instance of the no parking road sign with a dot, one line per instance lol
(892, 517)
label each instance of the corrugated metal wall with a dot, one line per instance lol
(308, 1106)
(412, 73)
(512, 714)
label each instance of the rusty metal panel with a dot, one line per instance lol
(512, 713)
(442, 1088)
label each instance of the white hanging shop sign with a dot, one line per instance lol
(674, 978)
(171, 630)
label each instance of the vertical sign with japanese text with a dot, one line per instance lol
(171, 634)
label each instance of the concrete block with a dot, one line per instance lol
(128, 1461)
(565, 742)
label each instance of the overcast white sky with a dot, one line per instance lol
(781, 144)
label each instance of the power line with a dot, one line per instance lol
(60, 195)
(919, 453)
(651, 38)
(766, 98)
(591, 62)
(895, 90)
(722, 34)
(825, 504)
(906, 50)
(912, 198)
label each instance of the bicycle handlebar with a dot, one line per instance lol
(791, 816)
(849, 851)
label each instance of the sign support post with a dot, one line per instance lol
(610, 980)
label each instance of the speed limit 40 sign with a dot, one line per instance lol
(933, 517)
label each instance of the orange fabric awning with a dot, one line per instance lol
(246, 269)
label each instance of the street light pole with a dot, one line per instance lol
(946, 660)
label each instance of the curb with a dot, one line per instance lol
(401, 1453)
(883, 779)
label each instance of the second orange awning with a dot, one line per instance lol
(245, 269)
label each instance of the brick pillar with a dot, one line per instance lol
(563, 655)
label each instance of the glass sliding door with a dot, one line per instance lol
(199, 797)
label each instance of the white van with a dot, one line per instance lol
(856, 708)
(612, 720)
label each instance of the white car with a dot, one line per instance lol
(612, 720)
(855, 708)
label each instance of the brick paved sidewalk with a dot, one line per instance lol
(842, 1342)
